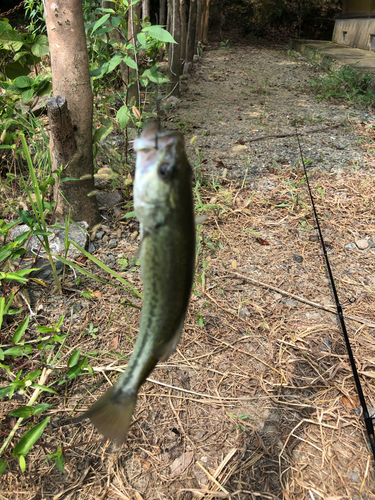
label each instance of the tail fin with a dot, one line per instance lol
(112, 413)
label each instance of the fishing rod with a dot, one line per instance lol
(366, 416)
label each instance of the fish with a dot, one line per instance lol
(163, 204)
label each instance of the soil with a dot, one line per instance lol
(258, 402)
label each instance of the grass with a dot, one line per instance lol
(345, 84)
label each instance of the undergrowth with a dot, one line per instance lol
(347, 83)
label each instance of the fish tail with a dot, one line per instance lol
(112, 413)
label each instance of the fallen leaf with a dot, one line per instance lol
(262, 241)
(350, 404)
(114, 342)
(181, 463)
(234, 265)
(96, 295)
(134, 235)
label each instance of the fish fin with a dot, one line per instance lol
(171, 345)
(112, 413)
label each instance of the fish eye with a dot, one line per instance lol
(164, 171)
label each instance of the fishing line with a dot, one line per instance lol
(366, 416)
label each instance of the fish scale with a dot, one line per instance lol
(163, 203)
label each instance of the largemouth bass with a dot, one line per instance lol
(163, 204)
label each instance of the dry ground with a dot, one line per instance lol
(258, 402)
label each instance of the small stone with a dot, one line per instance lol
(112, 244)
(362, 244)
(92, 248)
(350, 246)
(328, 231)
(290, 303)
(298, 258)
(99, 235)
(314, 238)
(172, 101)
(109, 260)
(244, 311)
(354, 476)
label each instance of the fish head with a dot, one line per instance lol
(161, 168)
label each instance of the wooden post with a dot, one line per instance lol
(174, 60)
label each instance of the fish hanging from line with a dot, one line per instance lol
(163, 203)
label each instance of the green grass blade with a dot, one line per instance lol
(106, 268)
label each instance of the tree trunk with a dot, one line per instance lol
(201, 19)
(205, 21)
(198, 25)
(163, 12)
(183, 29)
(145, 9)
(115, 37)
(174, 61)
(71, 79)
(133, 93)
(190, 41)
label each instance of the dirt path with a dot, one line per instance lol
(258, 401)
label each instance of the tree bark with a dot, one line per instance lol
(174, 61)
(190, 41)
(133, 93)
(183, 29)
(71, 79)
(205, 21)
(198, 25)
(145, 9)
(163, 12)
(115, 37)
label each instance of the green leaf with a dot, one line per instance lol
(44, 388)
(22, 448)
(115, 21)
(73, 360)
(3, 465)
(23, 82)
(128, 215)
(159, 33)
(100, 22)
(1, 351)
(101, 133)
(26, 218)
(123, 116)
(15, 69)
(22, 463)
(39, 408)
(4, 391)
(40, 47)
(24, 412)
(130, 62)
(59, 461)
(27, 95)
(86, 294)
(114, 62)
(18, 350)
(20, 330)
(142, 39)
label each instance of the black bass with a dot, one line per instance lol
(163, 204)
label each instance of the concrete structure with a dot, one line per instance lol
(356, 25)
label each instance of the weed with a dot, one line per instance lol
(224, 45)
(347, 83)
